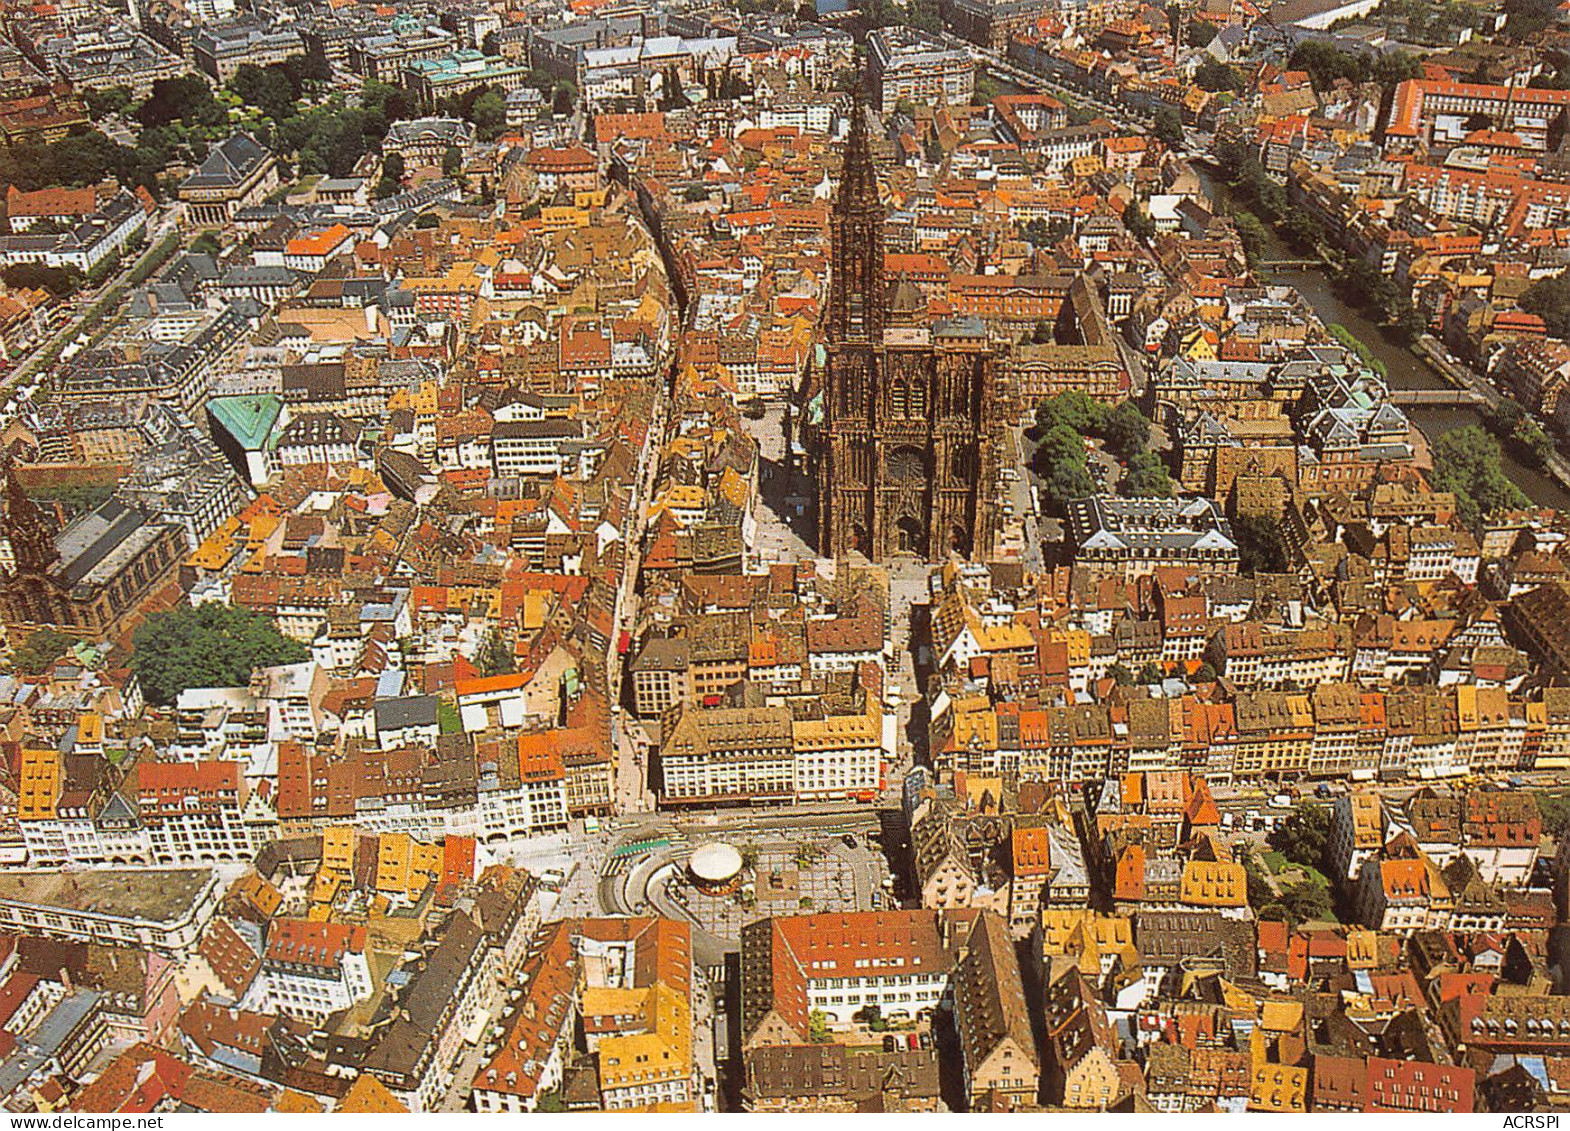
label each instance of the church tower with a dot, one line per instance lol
(906, 463)
(856, 243)
(30, 531)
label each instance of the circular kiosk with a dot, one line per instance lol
(715, 868)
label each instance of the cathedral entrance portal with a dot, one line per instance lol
(910, 539)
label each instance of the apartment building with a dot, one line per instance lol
(311, 969)
(197, 812)
(909, 66)
(836, 964)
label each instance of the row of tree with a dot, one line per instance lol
(1360, 285)
(1519, 433)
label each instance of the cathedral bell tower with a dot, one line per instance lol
(30, 531)
(856, 244)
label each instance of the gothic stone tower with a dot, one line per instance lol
(911, 420)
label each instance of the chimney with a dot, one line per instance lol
(65, 980)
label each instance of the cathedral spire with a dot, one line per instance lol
(859, 180)
(30, 531)
(855, 311)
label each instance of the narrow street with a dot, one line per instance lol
(631, 785)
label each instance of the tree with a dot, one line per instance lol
(62, 282)
(1467, 461)
(330, 138)
(1075, 410)
(1120, 674)
(452, 161)
(564, 97)
(489, 115)
(82, 158)
(1200, 33)
(269, 89)
(1549, 299)
(1509, 422)
(1303, 837)
(673, 95)
(1040, 233)
(818, 1027)
(1395, 67)
(1043, 332)
(1205, 673)
(1300, 228)
(307, 68)
(1151, 673)
(1261, 896)
(1217, 77)
(1146, 476)
(1260, 546)
(1167, 126)
(209, 645)
(384, 104)
(186, 99)
(1555, 809)
(109, 102)
(1409, 324)
(208, 243)
(1070, 481)
(494, 656)
(427, 220)
(1139, 225)
(872, 1017)
(1306, 902)
(391, 182)
(41, 649)
(1126, 430)
(1060, 444)
(1325, 63)
(1252, 231)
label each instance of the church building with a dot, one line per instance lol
(911, 427)
(88, 577)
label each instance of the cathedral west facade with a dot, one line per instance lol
(911, 424)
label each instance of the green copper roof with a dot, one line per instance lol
(248, 419)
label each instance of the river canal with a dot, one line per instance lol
(1405, 369)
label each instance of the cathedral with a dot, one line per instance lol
(87, 578)
(911, 423)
